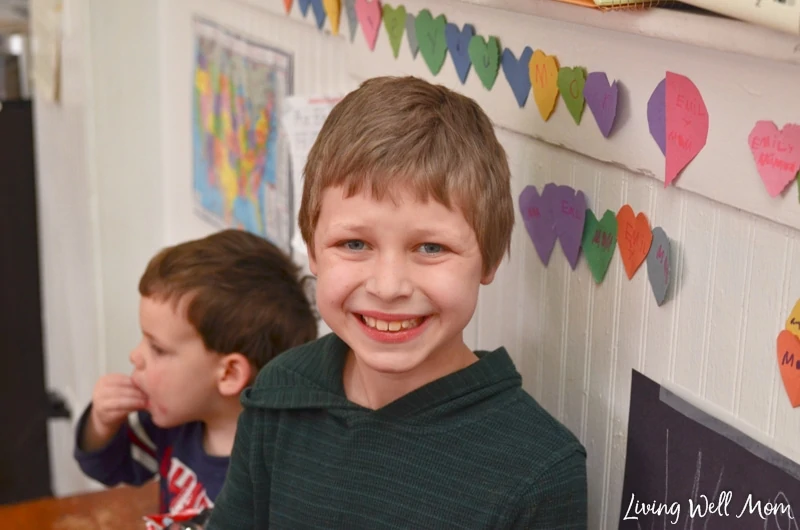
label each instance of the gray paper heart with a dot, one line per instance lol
(352, 18)
(658, 265)
(411, 35)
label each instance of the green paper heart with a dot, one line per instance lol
(570, 84)
(394, 20)
(599, 241)
(485, 59)
(432, 42)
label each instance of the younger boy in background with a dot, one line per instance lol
(213, 311)
(391, 421)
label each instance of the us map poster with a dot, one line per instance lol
(241, 167)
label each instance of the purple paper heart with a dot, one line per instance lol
(304, 6)
(537, 215)
(569, 214)
(657, 115)
(319, 12)
(602, 100)
(517, 73)
(458, 44)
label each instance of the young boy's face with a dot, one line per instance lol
(172, 366)
(397, 282)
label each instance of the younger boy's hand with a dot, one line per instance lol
(114, 397)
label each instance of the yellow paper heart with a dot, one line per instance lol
(793, 322)
(544, 80)
(333, 8)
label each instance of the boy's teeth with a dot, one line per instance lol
(395, 325)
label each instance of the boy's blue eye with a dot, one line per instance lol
(430, 248)
(354, 244)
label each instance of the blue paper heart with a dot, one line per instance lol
(458, 44)
(352, 17)
(304, 6)
(319, 12)
(517, 73)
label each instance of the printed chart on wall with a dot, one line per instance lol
(241, 168)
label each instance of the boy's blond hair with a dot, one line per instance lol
(396, 133)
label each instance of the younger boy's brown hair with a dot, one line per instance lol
(396, 133)
(243, 293)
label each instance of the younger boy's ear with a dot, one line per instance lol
(235, 374)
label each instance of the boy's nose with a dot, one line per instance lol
(136, 358)
(389, 279)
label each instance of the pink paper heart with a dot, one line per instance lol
(776, 154)
(687, 124)
(369, 18)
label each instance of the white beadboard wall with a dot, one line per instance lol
(575, 343)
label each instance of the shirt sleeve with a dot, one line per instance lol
(131, 457)
(556, 500)
(235, 506)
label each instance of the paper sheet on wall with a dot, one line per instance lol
(302, 121)
(46, 20)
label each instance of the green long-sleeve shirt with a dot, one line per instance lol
(470, 450)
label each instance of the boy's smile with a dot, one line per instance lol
(398, 282)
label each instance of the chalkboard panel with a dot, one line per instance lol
(685, 469)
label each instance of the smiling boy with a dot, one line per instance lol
(391, 421)
(213, 311)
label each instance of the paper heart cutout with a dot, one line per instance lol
(658, 265)
(352, 18)
(598, 242)
(394, 20)
(517, 73)
(537, 214)
(543, 71)
(369, 18)
(776, 154)
(458, 44)
(569, 214)
(789, 365)
(287, 5)
(431, 39)
(657, 115)
(687, 124)
(334, 10)
(793, 322)
(485, 57)
(304, 6)
(634, 239)
(411, 34)
(570, 85)
(601, 98)
(319, 12)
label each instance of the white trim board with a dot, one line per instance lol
(738, 90)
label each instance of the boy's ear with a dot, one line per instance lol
(488, 277)
(312, 261)
(235, 374)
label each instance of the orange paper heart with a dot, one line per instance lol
(287, 4)
(789, 363)
(633, 238)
